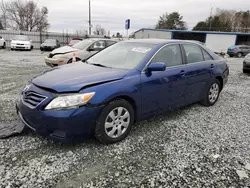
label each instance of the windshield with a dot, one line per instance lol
(83, 44)
(21, 37)
(123, 55)
(50, 41)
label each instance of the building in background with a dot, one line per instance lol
(219, 41)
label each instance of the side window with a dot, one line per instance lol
(98, 45)
(109, 43)
(193, 53)
(206, 55)
(170, 55)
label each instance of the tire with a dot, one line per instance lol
(245, 71)
(101, 132)
(4, 45)
(11, 49)
(239, 55)
(207, 101)
(231, 55)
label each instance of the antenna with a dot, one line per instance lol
(210, 20)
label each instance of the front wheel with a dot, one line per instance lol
(212, 94)
(114, 122)
(239, 55)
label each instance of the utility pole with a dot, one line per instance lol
(210, 21)
(89, 18)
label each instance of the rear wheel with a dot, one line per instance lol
(212, 94)
(239, 54)
(231, 55)
(114, 122)
(4, 45)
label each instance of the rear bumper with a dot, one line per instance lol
(232, 53)
(21, 47)
(60, 125)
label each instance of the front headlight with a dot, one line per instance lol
(69, 101)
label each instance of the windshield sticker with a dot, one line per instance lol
(141, 50)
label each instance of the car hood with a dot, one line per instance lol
(64, 50)
(21, 42)
(74, 77)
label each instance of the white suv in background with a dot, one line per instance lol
(21, 42)
(2, 43)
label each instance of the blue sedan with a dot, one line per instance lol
(123, 84)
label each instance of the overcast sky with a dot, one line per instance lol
(72, 15)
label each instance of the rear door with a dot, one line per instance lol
(199, 67)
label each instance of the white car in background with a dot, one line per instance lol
(21, 42)
(2, 43)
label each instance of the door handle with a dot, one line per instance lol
(182, 73)
(212, 66)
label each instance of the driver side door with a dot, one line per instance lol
(164, 90)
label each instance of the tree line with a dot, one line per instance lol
(223, 20)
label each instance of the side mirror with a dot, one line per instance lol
(91, 49)
(157, 67)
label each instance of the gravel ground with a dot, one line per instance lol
(191, 147)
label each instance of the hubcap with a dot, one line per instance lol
(213, 92)
(117, 122)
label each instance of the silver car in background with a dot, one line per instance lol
(81, 50)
